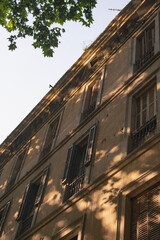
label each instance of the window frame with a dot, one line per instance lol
(84, 179)
(43, 178)
(139, 95)
(142, 211)
(58, 116)
(128, 192)
(133, 44)
(99, 81)
(140, 87)
(144, 53)
(76, 228)
(5, 210)
(16, 159)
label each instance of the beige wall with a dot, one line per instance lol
(100, 201)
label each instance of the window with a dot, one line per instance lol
(145, 46)
(90, 99)
(145, 215)
(78, 159)
(74, 238)
(50, 137)
(31, 200)
(144, 120)
(16, 169)
(3, 215)
(92, 96)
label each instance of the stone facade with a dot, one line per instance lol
(84, 164)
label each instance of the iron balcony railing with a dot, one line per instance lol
(139, 136)
(75, 186)
(144, 59)
(24, 225)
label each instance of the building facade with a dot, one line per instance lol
(84, 164)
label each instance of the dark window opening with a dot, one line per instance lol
(90, 99)
(3, 216)
(74, 238)
(79, 157)
(50, 138)
(16, 170)
(31, 200)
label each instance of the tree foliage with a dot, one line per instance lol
(43, 20)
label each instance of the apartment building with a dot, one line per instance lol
(85, 162)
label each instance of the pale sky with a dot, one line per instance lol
(25, 74)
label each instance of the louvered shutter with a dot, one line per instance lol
(146, 215)
(4, 215)
(154, 213)
(51, 134)
(90, 144)
(142, 218)
(101, 87)
(152, 102)
(16, 169)
(95, 90)
(42, 186)
(68, 165)
(24, 202)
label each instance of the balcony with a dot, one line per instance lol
(24, 225)
(75, 186)
(138, 137)
(144, 59)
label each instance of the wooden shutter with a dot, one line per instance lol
(50, 137)
(154, 213)
(150, 36)
(4, 215)
(16, 169)
(152, 102)
(42, 186)
(24, 202)
(144, 108)
(101, 86)
(69, 162)
(146, 215)
(90, 144)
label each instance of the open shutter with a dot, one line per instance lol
(4, 215)
(24, 202)
(42, 186)
(16, 169)
(68, 165)
(101, 86)
(90, 144)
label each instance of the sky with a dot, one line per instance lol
(25, 74)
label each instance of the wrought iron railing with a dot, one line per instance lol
(144, 59)
(139, 136)
(88, 111)
(24, 225)
(75, 186)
